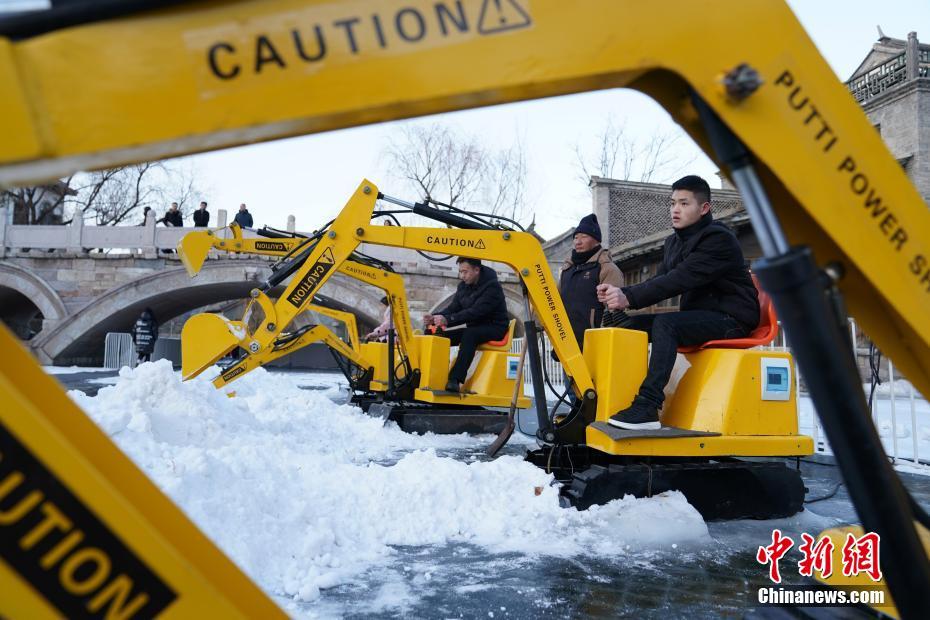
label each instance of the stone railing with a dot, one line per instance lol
(78, 238)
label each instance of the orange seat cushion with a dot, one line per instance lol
(761, 335)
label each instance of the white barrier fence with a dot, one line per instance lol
(901, 415)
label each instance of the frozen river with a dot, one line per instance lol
(334, 515)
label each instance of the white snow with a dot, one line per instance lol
(70, 370)
(305, 495)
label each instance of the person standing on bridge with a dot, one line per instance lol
(244, 218)
(478, 303)
(144, 334)
(201, 215)
(173, 217)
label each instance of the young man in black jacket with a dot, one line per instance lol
(201, 215)
(479, 303)
(702, 262)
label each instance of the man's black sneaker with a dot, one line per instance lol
(453, 386)
(640, 416)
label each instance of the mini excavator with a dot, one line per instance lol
(387, 379)
(731, 403)
(99, 84)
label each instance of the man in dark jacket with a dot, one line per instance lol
(702, 262)
(144, 334)
(173, 216)
(588, 266)
(479, 303)
(201, 215)
(243, 218)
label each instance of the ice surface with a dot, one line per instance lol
(305, 495)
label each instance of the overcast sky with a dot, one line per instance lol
(312, 176)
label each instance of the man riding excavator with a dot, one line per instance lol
(383, 377)
(98, 85)
(718, 411)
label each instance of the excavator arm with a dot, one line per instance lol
(212, 342)
(521, 251)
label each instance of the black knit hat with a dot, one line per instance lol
(589, 226)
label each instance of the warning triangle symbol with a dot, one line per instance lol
(500, 15)
(479, 245)
(327, 257)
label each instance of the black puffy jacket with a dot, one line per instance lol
(480, 303)
(145, 333)
(704, 264)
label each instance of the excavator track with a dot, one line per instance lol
(421, 418)
(720, 490)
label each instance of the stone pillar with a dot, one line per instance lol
(221, 218)
(148, 245)
(910, 56)
(600, 194)
(291, 223)
(75, 232)
(4, 215)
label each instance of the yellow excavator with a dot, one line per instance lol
(99, 84)
(730, 403)
(399, 380)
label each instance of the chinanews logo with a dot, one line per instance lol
(270, 246)
(308, 283)
(235, 372)
(461, 243)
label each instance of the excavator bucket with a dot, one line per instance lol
(205, 339)
(193, 248)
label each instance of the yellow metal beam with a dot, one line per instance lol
(86, 528)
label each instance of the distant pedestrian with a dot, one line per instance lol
(173, 217)
(144, 334)
(145, 215)
(244, 218)
(201, 215)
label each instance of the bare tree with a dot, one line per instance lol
(442, 164)
(505, 187)
(109, 197)
(38, 204)
(619, 155)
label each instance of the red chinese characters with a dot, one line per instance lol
(772, 553)
(861, 555)
(816, 556)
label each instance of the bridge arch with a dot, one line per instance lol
(171, 293)
(26, 297)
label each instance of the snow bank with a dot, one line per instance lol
(304, 494)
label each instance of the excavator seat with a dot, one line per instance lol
(500, 345)
(761, 335)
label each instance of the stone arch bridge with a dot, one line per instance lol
(63, 289)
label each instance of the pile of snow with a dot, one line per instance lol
(304, 494)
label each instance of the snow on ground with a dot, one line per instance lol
(304, 494)
(71, 370)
